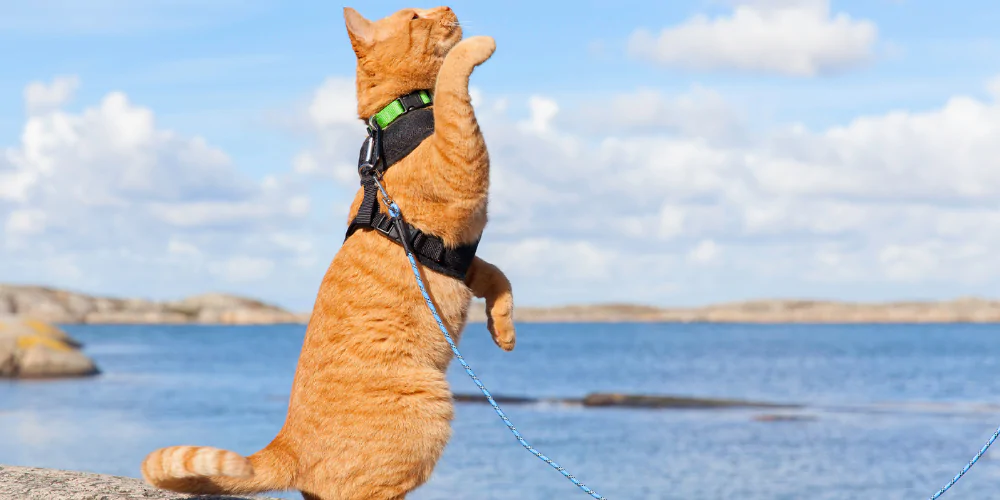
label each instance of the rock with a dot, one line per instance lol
(32, 326)
(132, 317)
(34, 349)
(26, 483)
(514, 400)
(59, 306)
(599, 400)
(8, 357)
(643, 401)
(44, 361)
(216, 308)
(962, 310)
(783, 418)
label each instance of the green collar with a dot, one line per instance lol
(399, 107)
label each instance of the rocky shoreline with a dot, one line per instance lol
(65, 307)
(963, 310)
(28, 483)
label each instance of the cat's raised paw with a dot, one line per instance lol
(475, 49)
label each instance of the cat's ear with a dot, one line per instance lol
(360, 30)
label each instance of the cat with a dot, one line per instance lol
(370, 409)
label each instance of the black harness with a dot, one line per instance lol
(380, 150)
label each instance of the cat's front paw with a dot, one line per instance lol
(475, 50)
(501, 327)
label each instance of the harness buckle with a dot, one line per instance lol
(411, 101)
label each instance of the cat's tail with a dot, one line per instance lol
(210, 471)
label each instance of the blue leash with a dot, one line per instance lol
(968, 466)
(397, 217)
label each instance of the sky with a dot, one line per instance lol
(665, 153)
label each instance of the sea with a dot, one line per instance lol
(888, 411)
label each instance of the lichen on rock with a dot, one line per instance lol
(30, 348)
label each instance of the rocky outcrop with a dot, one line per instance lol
(678, 402)
(60, 306)
(25, 483)
(966, 310)
(618, 400)
(34, 349)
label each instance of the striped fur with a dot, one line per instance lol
(194, 461)
(370, 408)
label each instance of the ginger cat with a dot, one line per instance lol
(370, 409)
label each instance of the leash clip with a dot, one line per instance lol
(394, 212)
(369, 156)
(371, 150)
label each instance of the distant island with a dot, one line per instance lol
(65, 307)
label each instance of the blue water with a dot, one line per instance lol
(896, 410)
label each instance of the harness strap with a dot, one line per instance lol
(401, 106)
(405, 134)
(383, 148)
(428, 249)
(369, 206)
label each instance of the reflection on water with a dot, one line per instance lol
(896, 410)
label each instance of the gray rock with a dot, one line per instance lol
(35, 349)
(43, 362)
(6, 304)
(601, 400)
(26, 483)
(8, 357)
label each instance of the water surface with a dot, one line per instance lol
(897, 410)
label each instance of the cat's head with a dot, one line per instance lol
(400, 53)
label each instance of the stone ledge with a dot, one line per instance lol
(27, 483)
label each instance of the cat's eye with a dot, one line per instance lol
(416, 16)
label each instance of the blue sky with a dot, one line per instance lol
(737, 149)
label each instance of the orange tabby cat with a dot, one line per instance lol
(370, 408)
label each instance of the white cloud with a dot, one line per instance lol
(333, 123)
(700, 112)
(41, 98)
(475, 96)
(706, 252)
(994, 88)
(798, 38)
(25, 221)
(562, 260)
(675, 210)
(543, 110)
(96, 198)
(182, 249)
(905, 197)
(335, 103)
(907, 263)
(946, 154)
(671, 221)
(242, 269)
